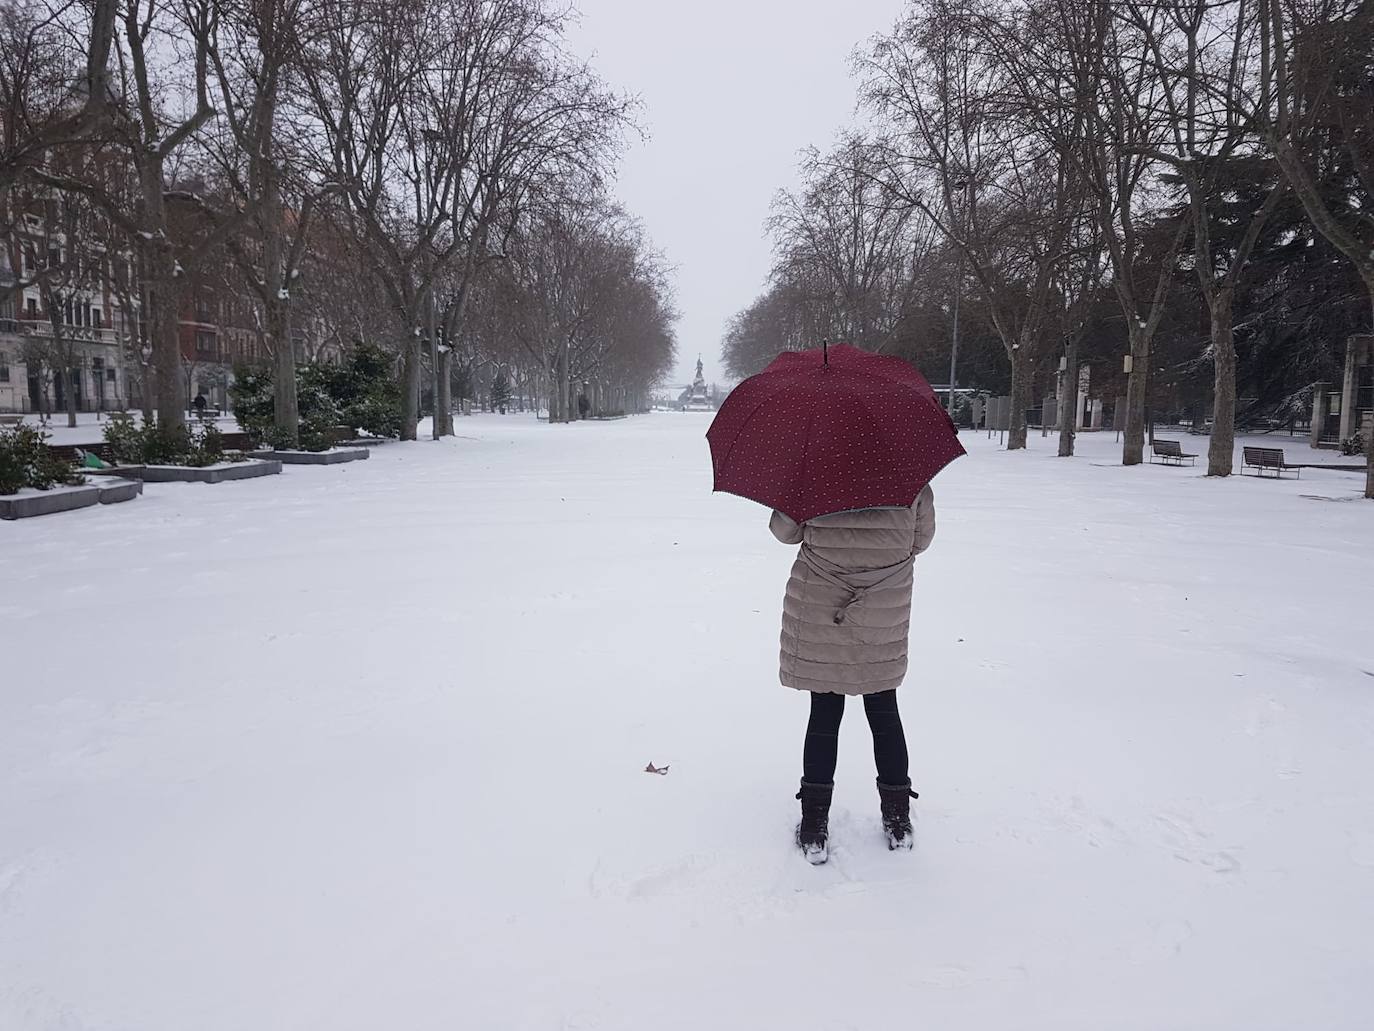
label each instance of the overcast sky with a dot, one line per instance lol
(732, 91)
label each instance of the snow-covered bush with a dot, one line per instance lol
(25, 461)
(133, 444)
(359, 394)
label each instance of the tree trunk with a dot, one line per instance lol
(1221, 453)
(1019, 401)
(1369, 437)
(444, 406)
(1068, 400)
(565, 398)
(436, 429)
(410, 388)
(1133, 448)
(285, 410)
(277, 288)
(164, 298)
(171, 412)
(72, 373)
(67, 355)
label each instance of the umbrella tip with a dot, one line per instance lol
(825, 351)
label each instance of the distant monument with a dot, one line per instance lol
(695, 397)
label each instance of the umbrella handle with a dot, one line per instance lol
(825, 351)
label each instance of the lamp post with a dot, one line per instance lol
(967, 186)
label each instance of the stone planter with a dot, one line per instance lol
(113, 490)
(335, 456)
(221, 473)
(28, 503)
(117, 472)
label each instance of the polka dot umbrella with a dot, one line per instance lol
(831, 430)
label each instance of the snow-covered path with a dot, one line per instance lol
(362, 747)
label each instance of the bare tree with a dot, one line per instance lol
(152, 124)
(45, 102)
(1318, 66)
(70, 279)
(439, 119)
(256, 56)
(587, 303)
(1203, 56)
(1081, 79)
(970, 161)
(850, 245)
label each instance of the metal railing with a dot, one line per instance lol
(105, 335)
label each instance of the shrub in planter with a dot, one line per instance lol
(125, 438)
(250, 397)
(369, 399)
(25, 461)
(359, 393)
(1353, 445)
(207, 446)
(133, 444)
(319, 413)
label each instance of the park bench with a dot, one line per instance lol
(1170, 452)
(11, 420)
(1266, 458)
(69, 453)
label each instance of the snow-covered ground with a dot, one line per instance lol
(90, 426)
(90, 429)
(362, 747)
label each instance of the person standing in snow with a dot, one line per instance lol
(845, 622)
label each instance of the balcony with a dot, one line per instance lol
(42, 328)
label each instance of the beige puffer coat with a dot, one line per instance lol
(847, 611)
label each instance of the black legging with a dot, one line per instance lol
(823, 737)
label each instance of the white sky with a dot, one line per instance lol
(732, 91)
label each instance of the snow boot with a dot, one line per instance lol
(813, 833)
(895, 800)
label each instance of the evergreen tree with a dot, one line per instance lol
(500, 392)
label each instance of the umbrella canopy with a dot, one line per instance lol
(831, 431)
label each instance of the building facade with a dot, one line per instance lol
(100, 347)
(86, 354)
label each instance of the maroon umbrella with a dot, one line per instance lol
(830, 431)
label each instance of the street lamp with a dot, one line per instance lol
(965, 184)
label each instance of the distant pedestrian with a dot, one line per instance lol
(200, 404)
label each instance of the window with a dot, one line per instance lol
(205, 344)
(31, 307)
(109, 375)
(96, 319)
(4, 369)
(1364, 390)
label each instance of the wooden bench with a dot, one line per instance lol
(68, 452)
(11, 420)
(1170, 452)
(1261, 459)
